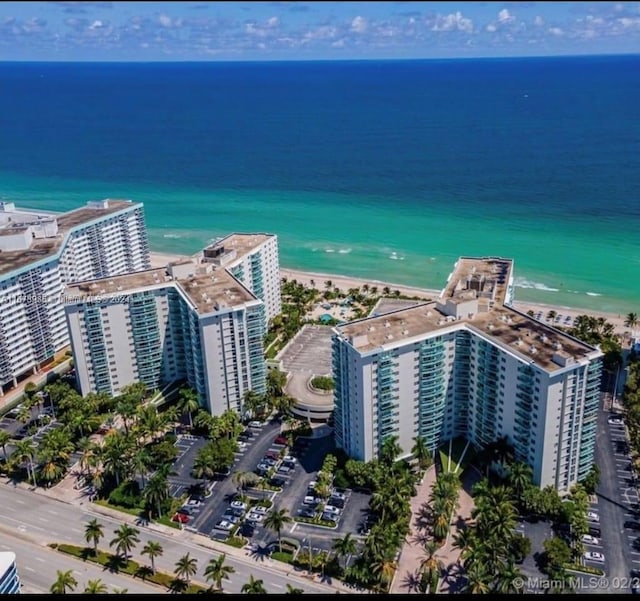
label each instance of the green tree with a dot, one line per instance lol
(95, 587)
(390, 450)
(156, 492)
(153, 549)
(291, 590)
(557, 555)
(345, 547)
(188, 403)
(276, 521)
(64, 582)
(253, 587)
(125, 540)
(186, 566)
(5, 437)
(216, 571)
(24, 452)
(93, 532)
(421, 452)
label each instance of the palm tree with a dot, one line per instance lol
(5, 437)
(421, 452)
(153, 549)
(520, 477)
(93, 532)
(186, 566)
(477, 580)
(345, 547)
(292, 590)
(430, 563)
(64, 582)
(120, 591)
(253, 587)
(631, 320)
(125, 540)
(95, 587)
(276, 521)
(24, 451)
(390, 450)
(156, 492)
(188, 403)
(216, 571)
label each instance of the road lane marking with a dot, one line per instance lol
(28, 568)
(40, 559)
(19, 502)
(52, 512)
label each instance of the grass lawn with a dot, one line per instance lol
(456, 455)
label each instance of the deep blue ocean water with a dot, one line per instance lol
(380, 169)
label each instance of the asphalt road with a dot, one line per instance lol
(38, 567)
(43, 520)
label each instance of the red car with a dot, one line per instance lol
(280, 440)
(180, 517)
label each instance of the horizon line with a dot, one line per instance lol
(318, 60)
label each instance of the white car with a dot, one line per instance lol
(255, 424)
(260, 509)
(590, 540)
(289, 459)
(309, 500)
(224, 525)
(592, 516)
(594, 556)
(331, 510)
(615, 421)
(255, 517)
(339, 495)
(238, 505)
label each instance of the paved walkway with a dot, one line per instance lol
(412, 551)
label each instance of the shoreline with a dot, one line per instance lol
(345, 282)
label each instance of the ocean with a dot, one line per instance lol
(388, 170)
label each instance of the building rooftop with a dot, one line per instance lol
(208, 288)
(532, 340)
(232, 247)
(42, 248)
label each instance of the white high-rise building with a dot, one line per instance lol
(9, 579)
(252, 259)
(40, 252)
(190, 321)
(469, 365)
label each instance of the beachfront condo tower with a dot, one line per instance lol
(253, 260)
(469, 365)
(40, 252)
(191, 321)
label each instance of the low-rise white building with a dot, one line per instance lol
(469, 365)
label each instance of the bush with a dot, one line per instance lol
(322, 383)
(285, 556)
(127, 495)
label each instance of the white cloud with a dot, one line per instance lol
(557, 31)
(453, 22)
(628, 22)
(97, 24)
(538, 21)
(321, 33)
(165, 20)
(491, 28)
(505, 17)
(359, 24)
(273, 22)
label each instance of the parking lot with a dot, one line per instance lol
(217, 514)
(309, 351)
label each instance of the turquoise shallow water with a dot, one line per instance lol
(578, 264)
(388, 170)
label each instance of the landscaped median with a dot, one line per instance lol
(132, 568)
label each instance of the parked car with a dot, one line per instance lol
(255, 424)
(590, 540)
(616, 421)
(329, 517)
(238, 505)
(247, 530)
(307, 512)
(593, 531)
(280, 440)
(310, 500)
(594, 556)
(289, 459)
(194, 502)
(592, 516)
(632, 525)
(332, 510)
(224, 525)
(339, 503)
(272, 455)
(338, 495)
(278, 481)
(255, 517)
(182, 518)
(260, 509)
(230, 517)
(283, 469)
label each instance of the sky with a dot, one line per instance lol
(250, 31)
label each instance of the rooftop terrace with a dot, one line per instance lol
(42, 248)
(532, 340)
(234, 246)
(209, 289)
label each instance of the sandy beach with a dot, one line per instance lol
(346, 282)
